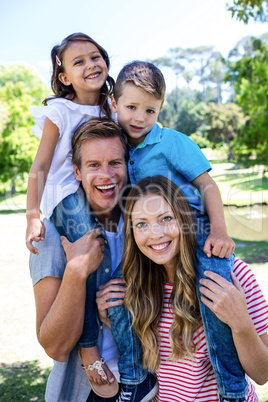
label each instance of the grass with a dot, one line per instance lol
(23, 381)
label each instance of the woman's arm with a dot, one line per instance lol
(36, 182)
(60, 304)
(228, 302)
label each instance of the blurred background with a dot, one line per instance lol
(214, 56)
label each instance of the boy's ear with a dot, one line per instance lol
(64, 79)
(77, 173)
(113, 102)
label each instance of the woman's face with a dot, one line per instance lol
(156, 231)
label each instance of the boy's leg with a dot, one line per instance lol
(228, 371)
(128, 344)
(73, 219)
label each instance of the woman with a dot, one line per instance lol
(158, 268)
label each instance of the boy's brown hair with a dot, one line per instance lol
(144, 75)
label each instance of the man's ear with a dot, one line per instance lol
(64, 79)
(113, 102)
(77, 172)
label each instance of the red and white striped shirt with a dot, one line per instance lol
(192, 378)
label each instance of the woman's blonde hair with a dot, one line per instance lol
(145, 279)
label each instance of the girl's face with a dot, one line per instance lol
(84, 69)
(156, 231)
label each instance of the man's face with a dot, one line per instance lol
(103, 172)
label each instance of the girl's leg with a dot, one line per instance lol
(73, 219)
(228, 371)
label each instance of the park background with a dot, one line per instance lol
(215, 62)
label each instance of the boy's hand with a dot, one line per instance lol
(220, 245)
(35, 232)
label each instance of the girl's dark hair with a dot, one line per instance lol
(62, 91)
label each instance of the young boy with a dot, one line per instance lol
(138, 98)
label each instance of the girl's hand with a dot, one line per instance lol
(226, 300)
(35, 232)
(112, 289)
(219, 244)
(85, 254)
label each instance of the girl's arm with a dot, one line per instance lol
(60, 303)
(228, 302)
(37, 179)
(218, 243)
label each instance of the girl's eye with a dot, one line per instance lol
(78, 62)
(167, 219)
(95, 57)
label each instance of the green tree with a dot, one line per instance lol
(20, 88)
(243, 10)
(249, 76)
(223, 123)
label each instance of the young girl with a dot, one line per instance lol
(158, 268)
(82, 85)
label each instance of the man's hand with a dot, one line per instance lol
(112, 289)
(220, 245)
(35, 232)
(85, 254)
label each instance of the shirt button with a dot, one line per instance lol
(105, 241)
(107, 270)
(101, 327)
(131, 162)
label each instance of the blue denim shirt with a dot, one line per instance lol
(171, 154)
(67, 382)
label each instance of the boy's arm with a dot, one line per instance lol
(36, 182)
(218, 243)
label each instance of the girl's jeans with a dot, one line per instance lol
(73, 218)
(228, 371)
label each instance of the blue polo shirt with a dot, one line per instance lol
(173, 155)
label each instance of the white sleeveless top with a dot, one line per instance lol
(67, 116)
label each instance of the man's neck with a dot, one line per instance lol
(110, 219)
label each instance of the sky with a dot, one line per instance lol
(128, 30)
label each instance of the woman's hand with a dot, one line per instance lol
(113, 289)
(226, 300)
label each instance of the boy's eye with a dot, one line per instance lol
(131, 107)
(150, 111)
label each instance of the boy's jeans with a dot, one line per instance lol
(228, 371)
(73, 218)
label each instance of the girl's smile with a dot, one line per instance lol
(156, 231)
(84, 69)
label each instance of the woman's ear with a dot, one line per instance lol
(113, 102)
(77, 172)
(64, 79)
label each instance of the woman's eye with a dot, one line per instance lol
(141, 225)
(167, 219)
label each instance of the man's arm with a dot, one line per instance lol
(60, 303)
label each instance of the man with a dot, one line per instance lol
(60, 288)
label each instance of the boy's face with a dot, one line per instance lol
(137, 112)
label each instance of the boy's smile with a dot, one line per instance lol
(137, 112)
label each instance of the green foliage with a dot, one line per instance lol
(249, 76)
(20, 88)
(243, 10)
(200, 140)
(223, 123)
